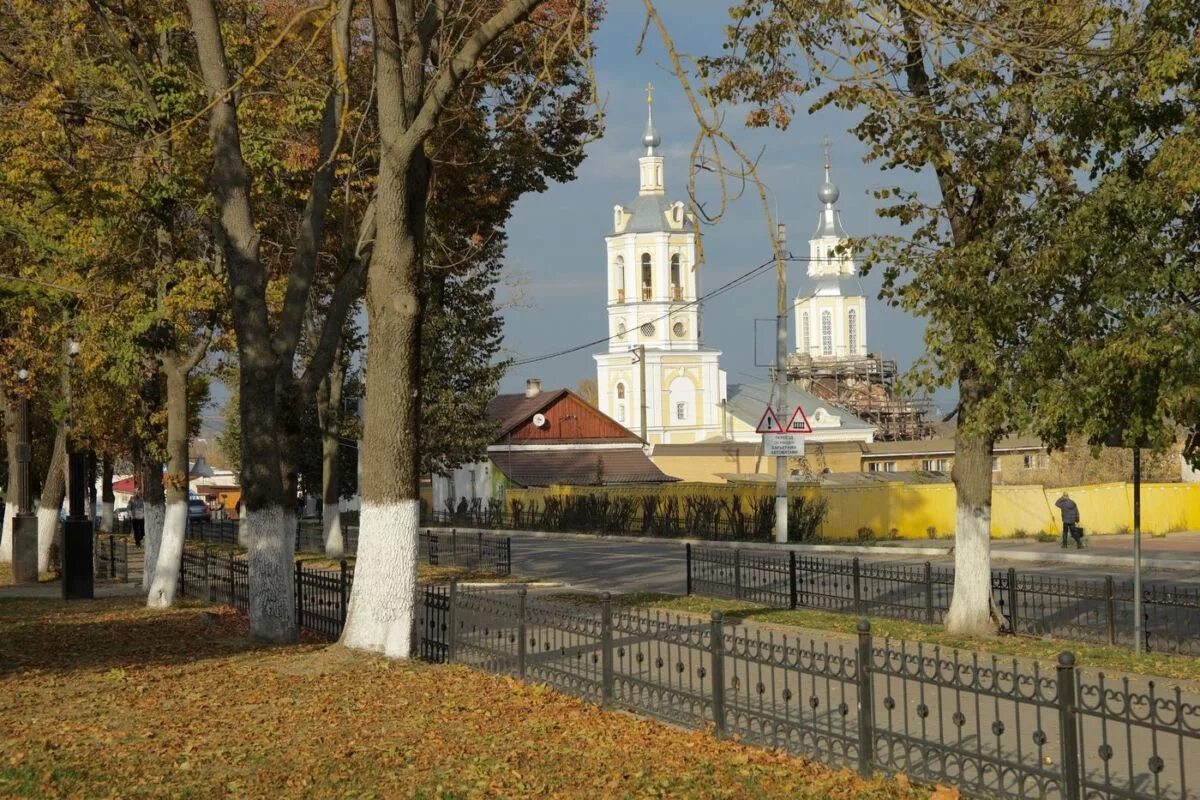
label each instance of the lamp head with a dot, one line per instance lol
(72, 348)
(22, 374)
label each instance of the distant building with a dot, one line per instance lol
(548, 438)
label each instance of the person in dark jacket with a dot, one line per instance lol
(1070, 520)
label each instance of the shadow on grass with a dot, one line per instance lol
(114, 633)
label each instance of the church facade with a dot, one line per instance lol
(657, 378)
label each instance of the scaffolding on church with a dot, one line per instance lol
(867, 388)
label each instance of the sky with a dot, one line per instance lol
(555, 294)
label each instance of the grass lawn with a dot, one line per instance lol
(1091, 656)
(106, 698)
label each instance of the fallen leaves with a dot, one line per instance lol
(108, 699)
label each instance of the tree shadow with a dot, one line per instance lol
(52, 636)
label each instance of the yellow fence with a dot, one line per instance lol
(914, 511)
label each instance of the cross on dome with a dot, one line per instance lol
(650, 139)
(828, 192)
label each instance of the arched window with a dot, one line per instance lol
(682, 400)
(826, 333)
(620, 330)
(620, 391)
(807, 333)
(852, 331)
(647, 277)
(619, 278)
(676, 278)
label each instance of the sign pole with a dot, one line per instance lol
(781, 462)
(1139, 643)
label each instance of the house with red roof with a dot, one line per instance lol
(549, 438)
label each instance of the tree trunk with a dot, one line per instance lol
(265, 524)
(972, 610)
(170, 551)
(380, 615)
(329, 402)
(155, 516)
(107, 498)
(9, 410)
(53, 492)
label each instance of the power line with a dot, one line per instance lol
(733, 284)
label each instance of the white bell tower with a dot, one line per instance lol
(653, 290)
(831, 317)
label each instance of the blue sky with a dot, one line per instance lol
(556, 250)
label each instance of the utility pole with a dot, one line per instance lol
(781, 382)
(641, 360)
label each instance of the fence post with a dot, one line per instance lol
(522, 595)
(207, 585)
(1110, 609)
(451, 650)
(1068, 727)
(793, 597)
(1012, 600)
(857, 579)
(299, 594)
(687, 549)
(112, 556)
(454, 545)
(232, 582)
(737, 573)
(866, 701)
(343, 592)
(717, 649)
(928, 593)
(606, 649)
(125, 560)
(508, 555)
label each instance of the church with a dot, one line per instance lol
(658, 378)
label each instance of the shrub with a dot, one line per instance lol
(931, 532)
(1043, 536)
(866, 534)
(1020, 533)
(805, 517)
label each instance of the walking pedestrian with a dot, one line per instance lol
(1070, 520)
(137, 515)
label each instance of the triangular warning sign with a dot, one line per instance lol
(799, 422)
(769, 423)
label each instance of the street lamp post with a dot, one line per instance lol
(24, 529)
(78, 571)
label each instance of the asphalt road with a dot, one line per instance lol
(617, 565)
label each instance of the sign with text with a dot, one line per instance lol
(783, 444)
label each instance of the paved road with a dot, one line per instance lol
(618, 565)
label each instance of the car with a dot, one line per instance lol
(121, 514)
(198, 510)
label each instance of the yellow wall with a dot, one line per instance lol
(911, 510)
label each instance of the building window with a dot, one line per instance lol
(620, 391)
(995, 464)
(621, 413)
(681, 411)
(936, 465)
(682, 394)
(881, 466)
(619, 278)
(826, 333)
(676, 284)
(807, 334)
(620, 330)
(679, 329)
(647, 277)
(852, 331)
(648, 329)
(1034, 462)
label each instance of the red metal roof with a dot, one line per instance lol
(575, 467)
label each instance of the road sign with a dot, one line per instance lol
(783, 444)
(769, 423)
(799, 422)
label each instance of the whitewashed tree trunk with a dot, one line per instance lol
(106, 516)
(170, 556)
(10, 511)
(331, 521)
(271, 533)
(155, 517)
(971, 609)
(47, 535)
(380, 617)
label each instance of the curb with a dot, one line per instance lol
(1087, 559)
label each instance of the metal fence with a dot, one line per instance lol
(1098, 610)
(477, 550)
(111, 555)
(994, 728)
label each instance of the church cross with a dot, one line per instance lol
(649, 92)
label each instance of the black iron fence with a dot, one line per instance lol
(993, 728)
(1099, 610)
(111, 553)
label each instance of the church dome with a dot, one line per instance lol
(828, 193)
(650, 138)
